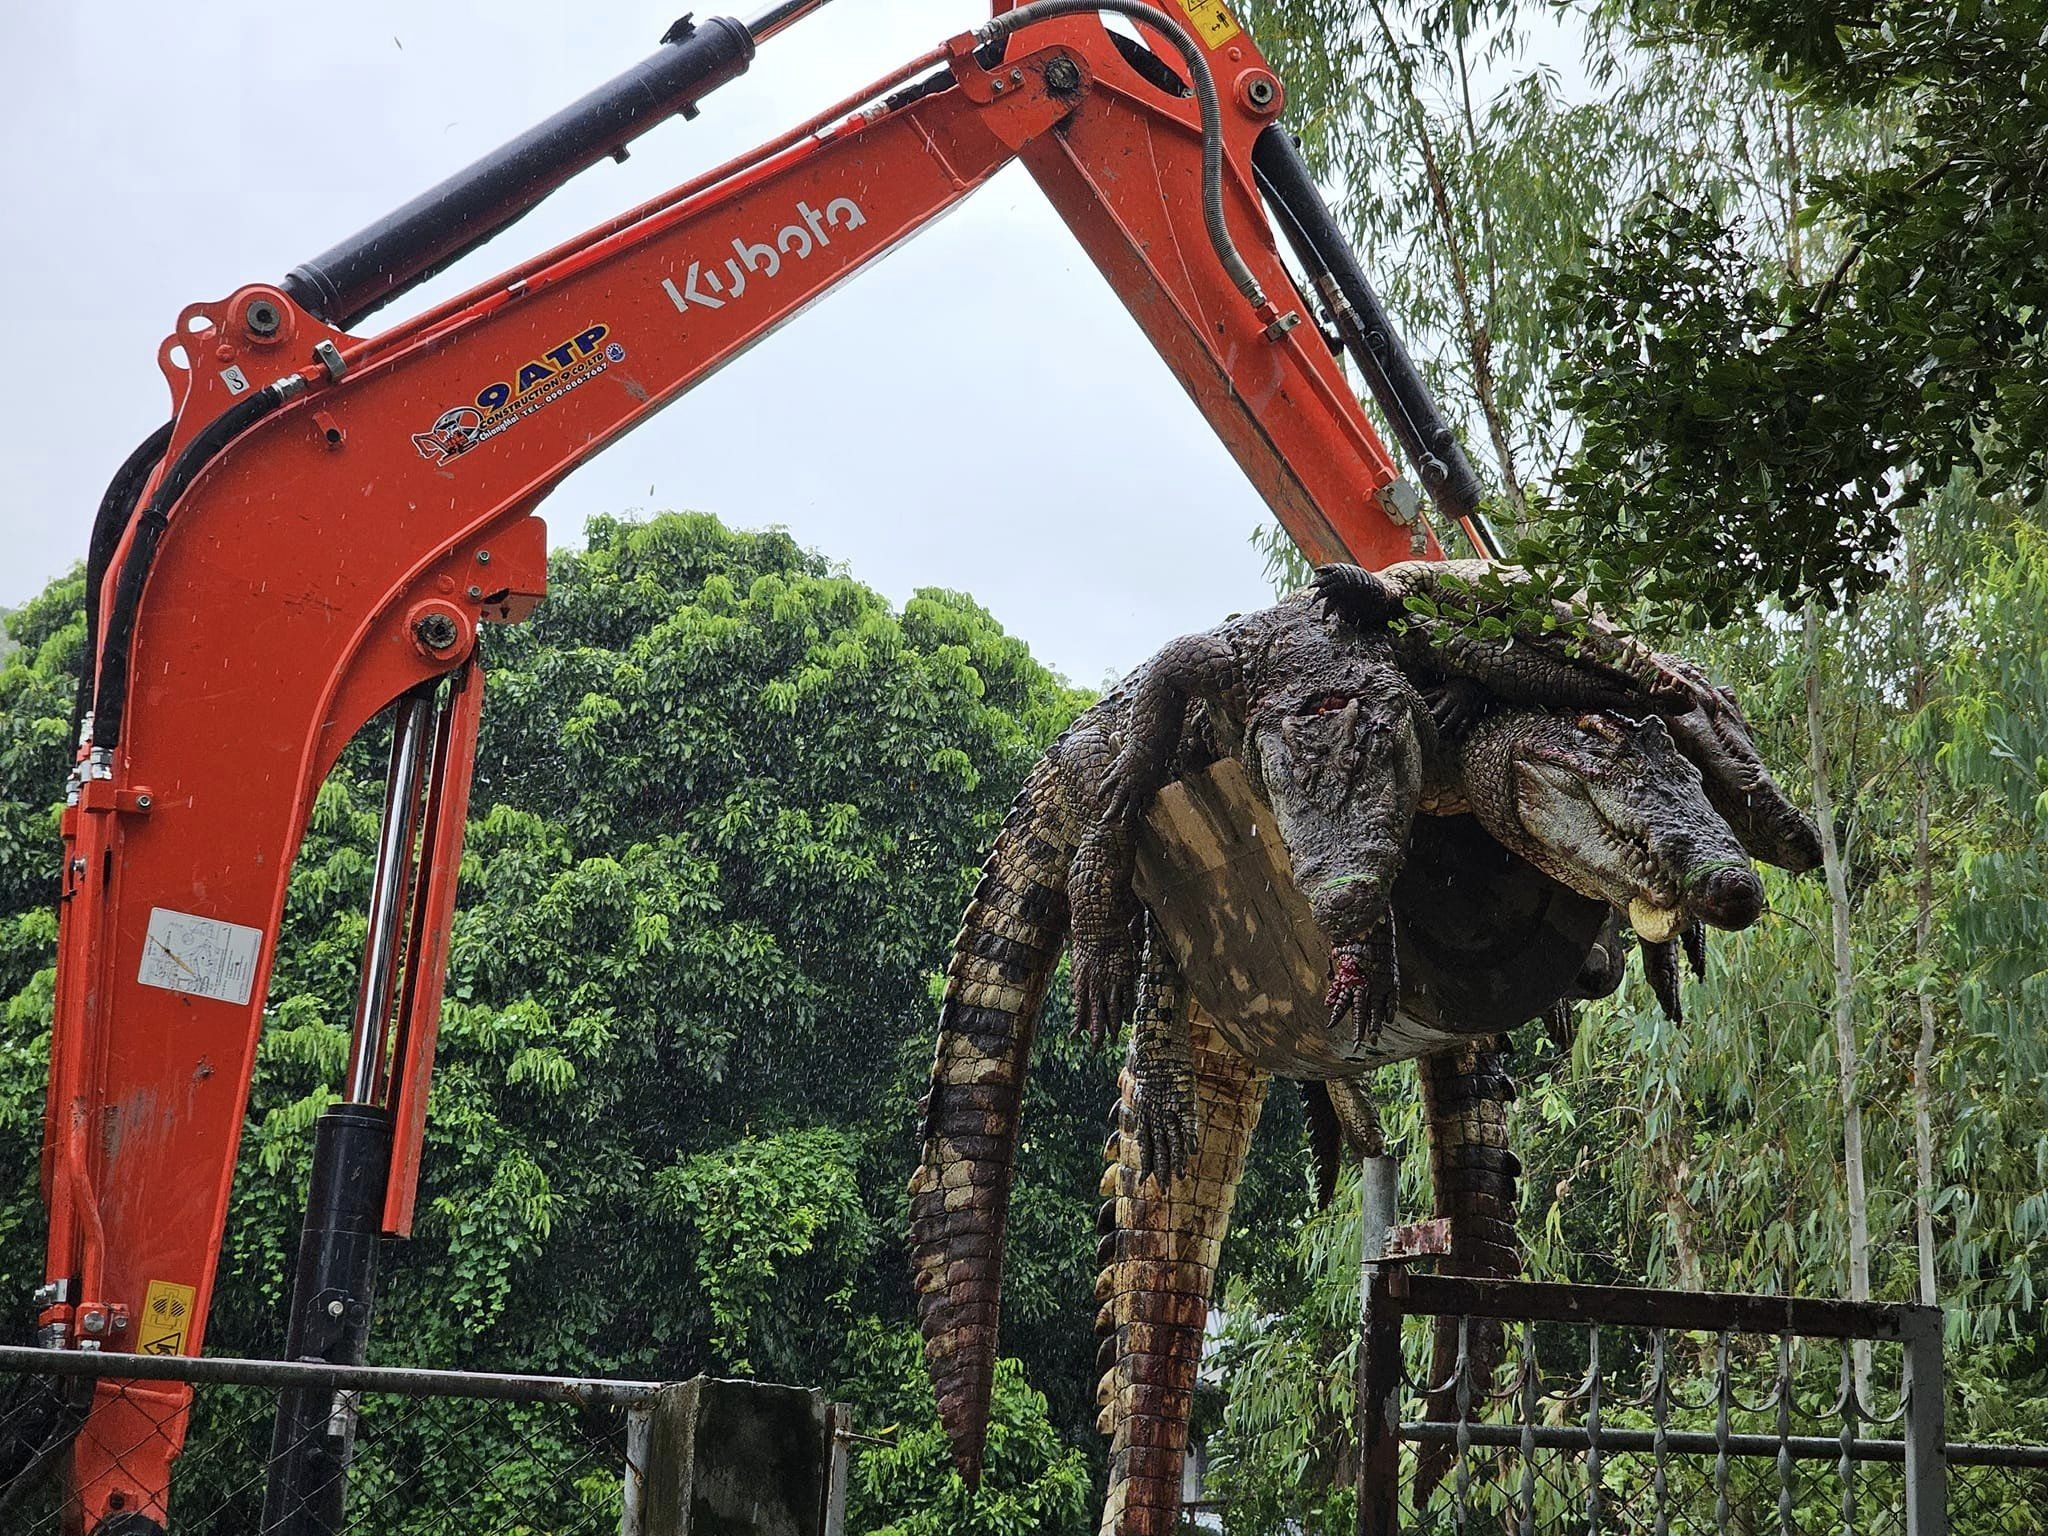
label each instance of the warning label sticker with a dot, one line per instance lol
(166, 1318)
(200, 955)
(1211, 21)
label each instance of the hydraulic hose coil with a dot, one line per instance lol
(1205, 98)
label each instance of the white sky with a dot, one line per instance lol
(976, 412)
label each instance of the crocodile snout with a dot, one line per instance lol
(1729, 897)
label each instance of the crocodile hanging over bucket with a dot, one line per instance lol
(1263, 694)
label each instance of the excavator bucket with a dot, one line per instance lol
(1487, 941)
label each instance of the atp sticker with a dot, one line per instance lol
(503, 403)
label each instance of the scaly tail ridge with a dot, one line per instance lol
(1158, 1256)
(1008, 947)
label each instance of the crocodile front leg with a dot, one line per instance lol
(1591, 666)
(1194, 666)
(1158, 1256)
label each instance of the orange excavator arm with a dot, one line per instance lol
(329, 517)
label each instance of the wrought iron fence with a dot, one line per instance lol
(425, 1451)
(1594, 1409)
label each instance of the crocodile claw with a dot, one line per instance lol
(1660, 969)
(1365, 984)
(1355, 595)
(1105, 986)
(1694, 938)
(1166, 1128)
(1561, 1023)
(1458, 705)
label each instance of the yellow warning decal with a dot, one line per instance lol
(1212, 23)
(166, 1318)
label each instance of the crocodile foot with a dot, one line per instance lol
(1660, 969)
(1458, 705)
(1105, 981)
(1357, 596)
(1694, 938)
(1129, 783)
(1365, 983)
(1166, 1127)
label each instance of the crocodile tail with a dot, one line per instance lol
(1002, 961)
(1465, 1095)
(1158, 1255)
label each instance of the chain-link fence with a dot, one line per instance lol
(1573, 1408)
(423, 1451)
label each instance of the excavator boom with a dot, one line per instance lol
(330, 517)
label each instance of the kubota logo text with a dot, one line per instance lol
(716, 285)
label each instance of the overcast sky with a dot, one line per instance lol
(977, 411)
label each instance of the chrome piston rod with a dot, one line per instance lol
(411, 744)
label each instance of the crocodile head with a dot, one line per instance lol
(1343, 772)
(1716, 736)
(1608, 805)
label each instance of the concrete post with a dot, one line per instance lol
(709, 1457)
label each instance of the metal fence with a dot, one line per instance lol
(1624, 1411)
(425, 1451)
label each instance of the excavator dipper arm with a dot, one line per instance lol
(333, 516)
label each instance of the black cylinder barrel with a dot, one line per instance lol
(1390, 373)
(332, 1294)
(410, 245)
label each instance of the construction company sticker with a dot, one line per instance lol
(1211, 21)
(183, 952)
(503, 403)
(166, 1318)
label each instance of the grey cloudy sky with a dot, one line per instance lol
(977, 411)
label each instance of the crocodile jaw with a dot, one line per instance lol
(1653, 923)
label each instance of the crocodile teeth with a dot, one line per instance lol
(1654, 923)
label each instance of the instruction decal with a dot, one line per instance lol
(184, 952)
(166, 1318)
(1212, 23)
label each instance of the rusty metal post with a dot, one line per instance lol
(1925, 1390)
(1379, 1354)
(838, 1425)
(633, 1492)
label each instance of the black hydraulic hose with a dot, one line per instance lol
(1205, 98)
(1390, 373)
(117, 506)
(110, 697)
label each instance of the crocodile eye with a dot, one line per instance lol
(1323, 704)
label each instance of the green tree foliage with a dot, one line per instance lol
(727, 810)
(1761, 424)
(1036, 1480)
